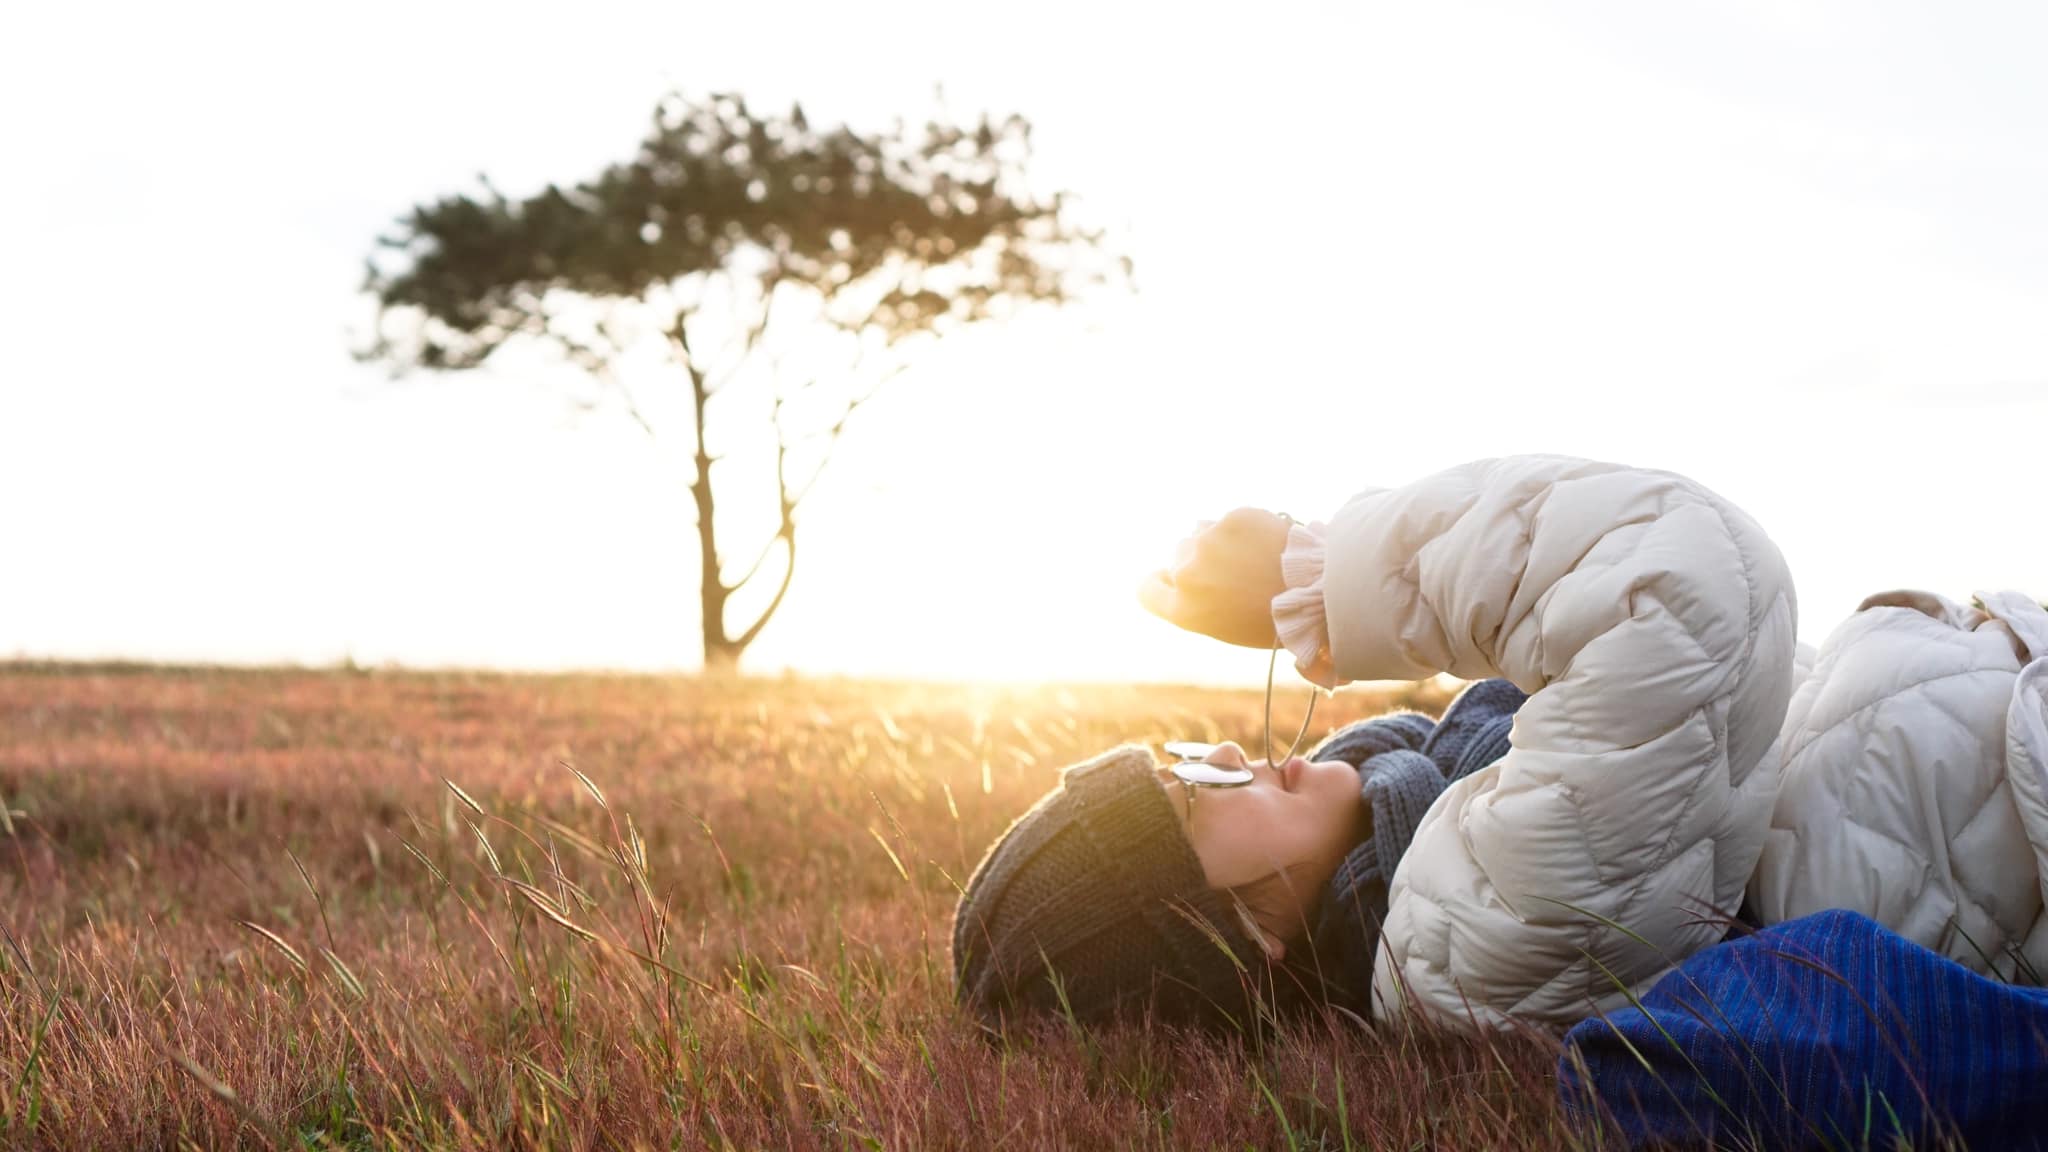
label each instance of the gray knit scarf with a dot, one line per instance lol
(1404, 761)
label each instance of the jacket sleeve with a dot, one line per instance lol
(1298, 611)
(1653, 624)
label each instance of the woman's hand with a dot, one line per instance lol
(1224, 578)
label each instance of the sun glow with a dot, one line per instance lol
(1814, 283)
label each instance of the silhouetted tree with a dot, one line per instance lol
(767, 256)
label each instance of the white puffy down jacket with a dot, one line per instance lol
(1913, 783)
(1653, 622)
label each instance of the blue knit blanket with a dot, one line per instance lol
(1404, 762)
(1823, 1032)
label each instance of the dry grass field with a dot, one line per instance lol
(334, 909)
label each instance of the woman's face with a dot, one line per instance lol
(1276, 841)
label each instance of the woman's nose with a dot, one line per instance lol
(1227, 754)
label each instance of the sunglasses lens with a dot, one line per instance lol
(1189, 749)
(1214, 775)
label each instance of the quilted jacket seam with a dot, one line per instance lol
(1750, 627)
(1812, 735)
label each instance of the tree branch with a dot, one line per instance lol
(679, 343)
(785, 524)
(598, 365)
(831, 435)
(889, 278)
(753, 333)
(754, 569)
(785, 530)
(788, 537)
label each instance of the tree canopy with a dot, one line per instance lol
(726, 230)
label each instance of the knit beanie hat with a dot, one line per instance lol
(1095, 898)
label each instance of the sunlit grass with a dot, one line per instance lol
(324, 909)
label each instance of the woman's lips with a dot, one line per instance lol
(1290, 773)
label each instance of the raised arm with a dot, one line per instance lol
(1653, 624)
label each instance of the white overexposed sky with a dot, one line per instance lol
(1798, 250)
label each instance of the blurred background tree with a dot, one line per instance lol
(763, 256)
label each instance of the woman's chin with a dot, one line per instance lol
(1332, 778)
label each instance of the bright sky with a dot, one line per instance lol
(1796, 250)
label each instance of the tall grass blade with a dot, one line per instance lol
(277, 942)
(467, 800)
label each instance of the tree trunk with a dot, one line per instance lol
(723, 649)
(721, 655)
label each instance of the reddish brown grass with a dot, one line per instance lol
(242, 908)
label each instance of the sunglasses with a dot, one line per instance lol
(1191, 767)
(1193, 771)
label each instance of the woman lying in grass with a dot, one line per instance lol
(1130, 883)
(1650, 621)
